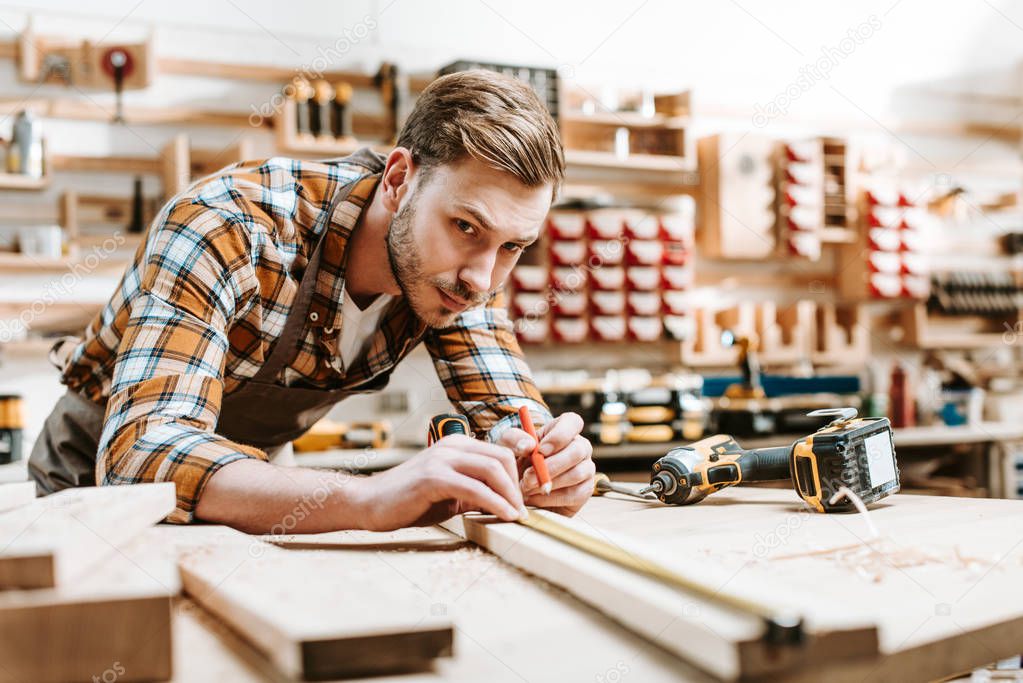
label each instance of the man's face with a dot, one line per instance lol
(456, 237)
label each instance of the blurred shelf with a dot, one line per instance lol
(628, 119)
(831, 235)
(9, 261)
(661, 163)
(20, 181)
(107, 164)
(906, 437)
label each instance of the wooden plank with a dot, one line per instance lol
(177, 168)
(266, 72)
(90, 110)
(56, 539)
(722, 642)
(16, 494)
(318, 615)
(107, 164)
(21, 181)
(416, 538)
(510, 627)
(114, 623)
(206, 649)
(941, 583)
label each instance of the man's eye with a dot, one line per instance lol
(465, 227)
(512, 247)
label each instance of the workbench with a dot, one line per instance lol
(940, 586)
(510, 626)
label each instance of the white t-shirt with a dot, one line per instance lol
(358, 326)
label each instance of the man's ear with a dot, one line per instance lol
(396, 179)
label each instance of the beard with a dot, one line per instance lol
(406, 262)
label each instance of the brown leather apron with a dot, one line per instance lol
(260, 412)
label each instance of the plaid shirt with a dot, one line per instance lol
(208, 293)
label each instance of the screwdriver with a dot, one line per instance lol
(602, 484)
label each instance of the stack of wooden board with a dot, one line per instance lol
(933, 595)
(90, 581)
(317, 616)
(73, 607)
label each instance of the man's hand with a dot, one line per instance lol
(569, 460)
(456, 474)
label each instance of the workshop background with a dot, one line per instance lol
(770, 207)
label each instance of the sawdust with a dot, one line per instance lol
(873, 558)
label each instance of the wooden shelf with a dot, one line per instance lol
(834, 235)
(926, 331)
(306, 145)
(659, 163)
(289, 141)
(106, 164)
(14, 261)
(628, 119)
(19, 181)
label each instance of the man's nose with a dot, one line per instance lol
(479, 274)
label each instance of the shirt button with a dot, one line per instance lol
(314, 316)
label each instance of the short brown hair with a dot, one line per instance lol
(494, 118)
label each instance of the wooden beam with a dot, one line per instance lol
(16, 494)
(56, 539)
(726, 644)
(106, 164)
(255, 72)
(90, 110)
(276, 74)
(177, 167)
(415, 538)
(934, 581)
(318, 615)
(114, 623)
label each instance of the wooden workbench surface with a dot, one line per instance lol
(949, 567)
(509, 626)
(941, 583)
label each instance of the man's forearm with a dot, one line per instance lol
(257, 497)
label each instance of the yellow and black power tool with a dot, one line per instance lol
(855, 452)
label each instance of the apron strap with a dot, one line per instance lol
(285, 349)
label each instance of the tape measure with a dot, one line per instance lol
(446, 424)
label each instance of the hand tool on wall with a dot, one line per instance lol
(751, 386)
(302, 93)
(320, 109)
(342, 116)
(118, 63)
(394, 87)
(858, 453)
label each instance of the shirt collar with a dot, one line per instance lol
(328, 294)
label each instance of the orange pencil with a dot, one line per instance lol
(539, 462)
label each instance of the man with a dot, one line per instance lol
(266, 293)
